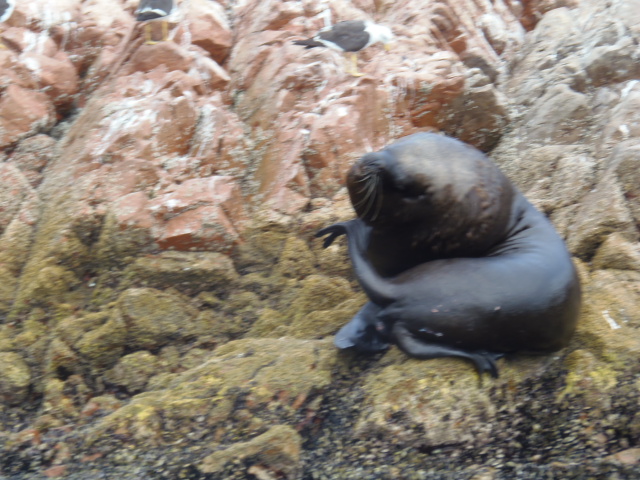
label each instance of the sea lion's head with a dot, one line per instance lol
(424, 177)
(382, 189)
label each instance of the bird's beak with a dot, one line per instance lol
(387, 46)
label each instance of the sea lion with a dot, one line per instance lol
(518, 292)
(427, 197)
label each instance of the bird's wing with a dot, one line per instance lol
(351, 36)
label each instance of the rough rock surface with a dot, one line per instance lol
(165, 311)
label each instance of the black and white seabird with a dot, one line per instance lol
(350, 36)
(153, 10)
(6, 9)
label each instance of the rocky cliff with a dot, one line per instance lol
(164, 309)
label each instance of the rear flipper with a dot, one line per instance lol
(484, 361)
(364, 332)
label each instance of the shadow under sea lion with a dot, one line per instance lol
(476, 270)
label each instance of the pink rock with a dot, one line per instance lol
(328, 155)
(175, 126)
(56, 76)
(206, 26)
(277, 69)
(14, 189)
(217, 144)
(14, 72)
(105, 15)
(283, 181)
(181, 83)
(23, 112)
(443, 75)
(32, 155)
(212, 74)
(104, 64)
(38, 14)
(203, 213)
(204, 228)
(136, 118)
(257, 16)
(216, 190)
(25, 40)
(55, 472)
(111, 182)
(148, 57)
(131, 211)
(102, 26)
(251, 54)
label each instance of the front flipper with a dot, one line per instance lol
(356, 229)
(334, 231)
(484, 361)
(364, 332)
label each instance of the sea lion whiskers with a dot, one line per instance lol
(379, 197)
(368, 199)
(365, 178)
(369, 194)
(365, 188)
(368, 191)
(373, 198)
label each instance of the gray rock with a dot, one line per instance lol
(602, 212)
(612, 63)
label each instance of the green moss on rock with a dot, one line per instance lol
(610, 315)
(185, 271)
(118, 247)
(133, 371)
(319, 293)
(104, 345)
(588, 378)
(275, 452)
(436, 402)
(15, 243)
(61, 358)
(334, 260)
(296, 260)
(72, 328)
(47, 286)
(6, 342)
(8, 285)
(155, 318)
(271, 323)
(265, 236)
(57, 402)
(263, 375)
(322, 323)
(15, 378)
